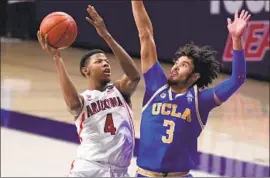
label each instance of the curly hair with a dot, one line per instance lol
(204, 62)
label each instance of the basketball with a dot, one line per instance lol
(61, 29)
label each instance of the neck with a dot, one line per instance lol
(179, 89)
(95, 85)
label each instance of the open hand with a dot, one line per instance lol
(237, 27)
(97, 21)
(45, 46)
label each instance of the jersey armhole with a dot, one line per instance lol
(126, 98)
(147, 102)
(196, 91)
(81, 97)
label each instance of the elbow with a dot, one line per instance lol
(145, 34)
(74, 106)
(241, 79)
(75, 110)
(136, 79)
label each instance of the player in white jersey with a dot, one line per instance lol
(102, 112)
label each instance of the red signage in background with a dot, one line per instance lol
(256, 41)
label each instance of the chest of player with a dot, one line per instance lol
(174, 107)
(104, 113)
(103, 102)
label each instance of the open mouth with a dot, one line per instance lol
(107, 71)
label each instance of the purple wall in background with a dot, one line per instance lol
(175, 23)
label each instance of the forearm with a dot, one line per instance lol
(224, 90)
(68, 89)
(141, 17)
(145, 29)
(126, 62)
(237, 43)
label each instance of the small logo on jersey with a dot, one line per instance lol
(189, 97)
(163, 95)
(88, 97)
(109, 88)
(110, 91)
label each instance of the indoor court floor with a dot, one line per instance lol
(238, 130)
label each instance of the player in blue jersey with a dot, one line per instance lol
(175, 108)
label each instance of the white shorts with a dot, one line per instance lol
(84, 168)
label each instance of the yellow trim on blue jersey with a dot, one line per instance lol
(154, 95)
(197, 106)
(177, 95)
(158, 174)
(170, 94)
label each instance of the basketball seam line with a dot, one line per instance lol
(56, 25)
(50, 17)
(63, 34)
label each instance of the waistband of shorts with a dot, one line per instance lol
(148, 173)
(108, 166)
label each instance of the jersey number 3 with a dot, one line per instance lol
(168, 139)
(109, 125)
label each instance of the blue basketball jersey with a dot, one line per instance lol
(170, 126)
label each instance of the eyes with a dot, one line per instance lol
(182, 64)
(101, 60)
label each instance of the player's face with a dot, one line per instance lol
(181, 71)
(100, 68)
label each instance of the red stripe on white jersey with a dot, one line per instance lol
(81, 126)
(72, 165)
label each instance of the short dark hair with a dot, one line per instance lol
(85, 58)
(204, 62)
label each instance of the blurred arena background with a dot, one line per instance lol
(38, 137)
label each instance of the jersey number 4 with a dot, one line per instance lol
(109, 125)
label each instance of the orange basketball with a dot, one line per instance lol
(61, 29)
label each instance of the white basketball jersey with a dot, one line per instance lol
(105, 128)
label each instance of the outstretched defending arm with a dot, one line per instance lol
(145, 29)
(72, 99)
(128, 83)
(227, 88)
(154, 76)
(236, 28)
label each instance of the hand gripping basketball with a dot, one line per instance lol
(46, 47)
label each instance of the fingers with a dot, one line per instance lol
(245, 15)
(229, 21)
(92, 12)
(89, 20)
(248, 17)
(40, 40)
(242, 14)
(46, 41)
(97, 14)
(236, 14)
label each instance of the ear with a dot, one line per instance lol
(86, 71)
(196, 76)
